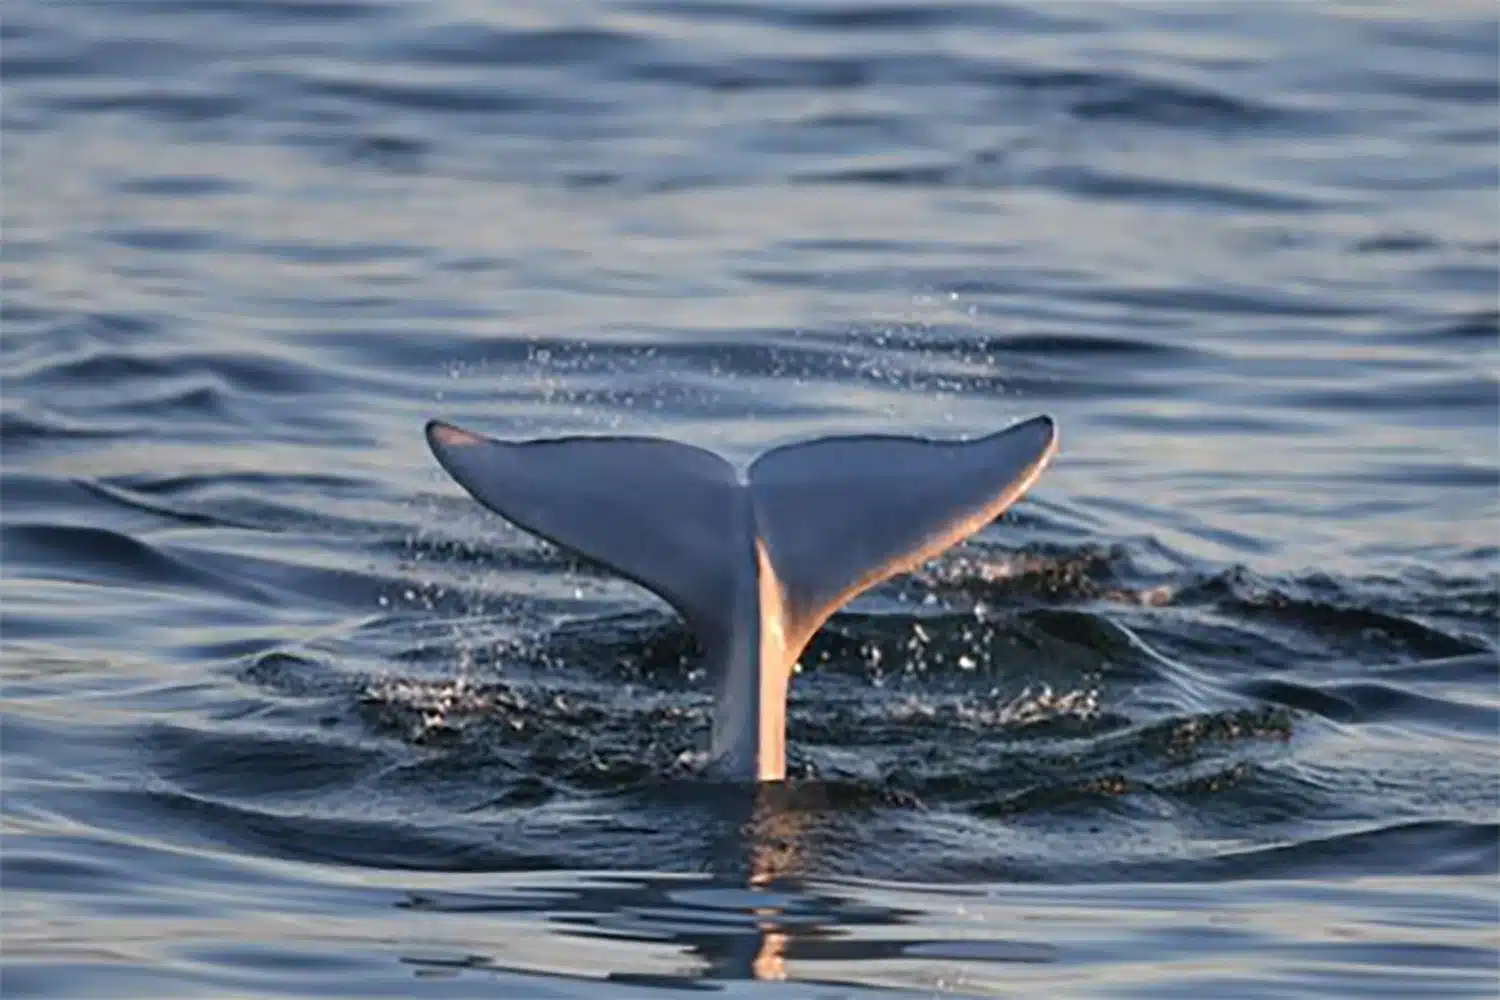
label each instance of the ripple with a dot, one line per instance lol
(1165, 104)
(1479, 326)
(136, 501)
(451, 98)
(179, 186)
(275, 689)
(391, 844)
(241, 372)
(1430, 848)
(273, 11)
(1371, 701)
(396, 153)
(155, 104)
(258, 763)
(483, 45)
(1087, 346)
(849, 17)
(19, 431)
(1091, 183)
(100, 555)
(1335, 621)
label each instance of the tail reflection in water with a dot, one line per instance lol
(749, 916)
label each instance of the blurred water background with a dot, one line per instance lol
(1212, 713)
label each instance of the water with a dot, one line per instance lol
(1213, 712)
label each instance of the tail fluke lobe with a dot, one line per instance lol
(668, 516)
(840, 515)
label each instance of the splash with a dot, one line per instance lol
(429, 710)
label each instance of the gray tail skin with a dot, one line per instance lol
(755, 564)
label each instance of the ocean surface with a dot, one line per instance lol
(1212, 713)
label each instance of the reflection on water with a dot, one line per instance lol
(766, 924)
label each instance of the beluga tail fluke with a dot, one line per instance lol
(755, 564)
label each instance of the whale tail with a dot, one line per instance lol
(840, 515)
(755, 566)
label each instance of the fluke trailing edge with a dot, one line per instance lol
(755, 564)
